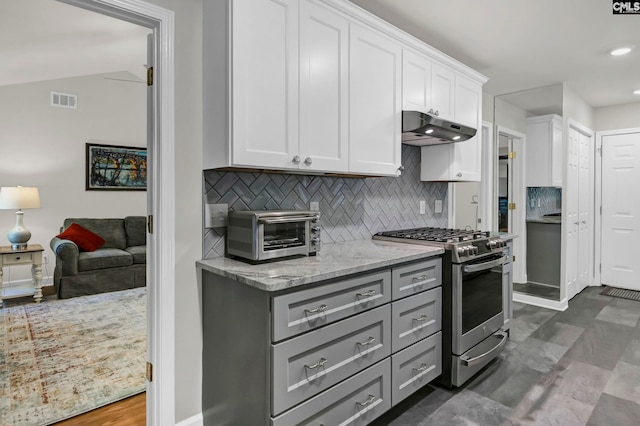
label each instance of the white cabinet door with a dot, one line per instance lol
(467, 155)
(324, 89)
(458, 161)
(374, 103)
(442, 91)
(544, 151)
(265, 83)
(416, 82)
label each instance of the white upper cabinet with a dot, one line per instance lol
(416, 82)
(265, 83)
(458, 161)
(375, 103)
(324, 89)
(442, 91)
(543, 149)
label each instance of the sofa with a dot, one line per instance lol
(119, 264)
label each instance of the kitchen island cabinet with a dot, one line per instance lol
(320, 338)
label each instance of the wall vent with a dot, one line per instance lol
(64, 100)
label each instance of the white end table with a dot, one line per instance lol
(32, 255)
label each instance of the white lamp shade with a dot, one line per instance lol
(19, 197)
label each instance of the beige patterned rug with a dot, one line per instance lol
(61, 358)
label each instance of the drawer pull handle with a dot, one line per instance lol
(18, 258)
(422, 367)
(318, 364)
(317, 310)
(368, 293)
(420, 278)
(368, 401)
(370, 341)
(421, 318)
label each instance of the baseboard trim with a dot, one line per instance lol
(561, 305)
(196, 420)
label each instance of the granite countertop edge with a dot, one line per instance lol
(334, 260)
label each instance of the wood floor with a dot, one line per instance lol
(128, 412)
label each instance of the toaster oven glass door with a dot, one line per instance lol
(278, 236)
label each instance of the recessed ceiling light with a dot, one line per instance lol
(636, 92)
(620, 51)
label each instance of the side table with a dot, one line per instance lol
(32, 255)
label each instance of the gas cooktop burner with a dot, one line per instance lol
(438, 235)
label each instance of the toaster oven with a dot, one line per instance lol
(261, 235)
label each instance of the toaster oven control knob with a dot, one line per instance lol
(315, 241)
(315, 229)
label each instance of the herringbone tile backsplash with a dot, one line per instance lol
(350, 208)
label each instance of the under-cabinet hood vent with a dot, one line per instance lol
(422, 129)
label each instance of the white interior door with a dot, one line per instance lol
(620, 210)
(585, 201)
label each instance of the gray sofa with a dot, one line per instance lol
(118, 265)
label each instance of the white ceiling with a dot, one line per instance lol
(519, 45)
(45, 40)
(526, 44)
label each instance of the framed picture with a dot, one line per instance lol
(116, 168)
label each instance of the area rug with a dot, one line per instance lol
(621, 293)
(61, 358)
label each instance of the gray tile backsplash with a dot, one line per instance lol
(550, 200)
(350, 208)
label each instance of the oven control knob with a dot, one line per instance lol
(315, 241)
(315, 229)
(462, 251)
(315, 219)
(490, 245)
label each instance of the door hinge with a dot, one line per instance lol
(150, 224)
(149, 372)
(150, 76)
(512, 154)
(512, 206)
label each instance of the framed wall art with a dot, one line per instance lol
(116, 168)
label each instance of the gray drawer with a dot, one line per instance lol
(416, 277)
(305, 310)
(356, 401)
(415, 318)
(309, 364)
(415, 366)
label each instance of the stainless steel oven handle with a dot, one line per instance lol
(483, 266)
(275, 220)
(478, 359)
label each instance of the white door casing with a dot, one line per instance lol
(620, 209)
(571, 221)
(160, 399)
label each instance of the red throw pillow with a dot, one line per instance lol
(85, 239)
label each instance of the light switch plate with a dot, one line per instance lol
(423, 207)
(438, 206)
(215, 215)
(314, 206)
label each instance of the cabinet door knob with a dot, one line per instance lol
(401, 169)
(459, 174)
(437, 113)
(308, 161)
(296, 160)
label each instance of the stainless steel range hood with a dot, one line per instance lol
(420, 129)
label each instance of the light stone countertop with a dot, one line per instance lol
(333, 261)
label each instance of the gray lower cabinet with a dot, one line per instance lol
(342, 351)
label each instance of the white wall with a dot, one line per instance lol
(616, 117)
(573, 106)
(44, 146)
(466, 213)
(510, 116)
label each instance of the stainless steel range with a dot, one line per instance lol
(474, 274)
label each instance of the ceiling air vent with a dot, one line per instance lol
(64, 100)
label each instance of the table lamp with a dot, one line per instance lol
(19, 197)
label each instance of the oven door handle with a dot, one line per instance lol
(269, 220)
(483, 266)
(468, 362)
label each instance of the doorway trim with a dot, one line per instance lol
(487, 204)
(160, 395)
(517, 183)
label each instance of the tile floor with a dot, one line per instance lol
(539, 290)
(577, 367)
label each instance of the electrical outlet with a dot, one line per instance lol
(532, 202)
(423, 206)
(215, 215)
(438, 206)
(314, 206)
(45, 259)
(538, 202)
